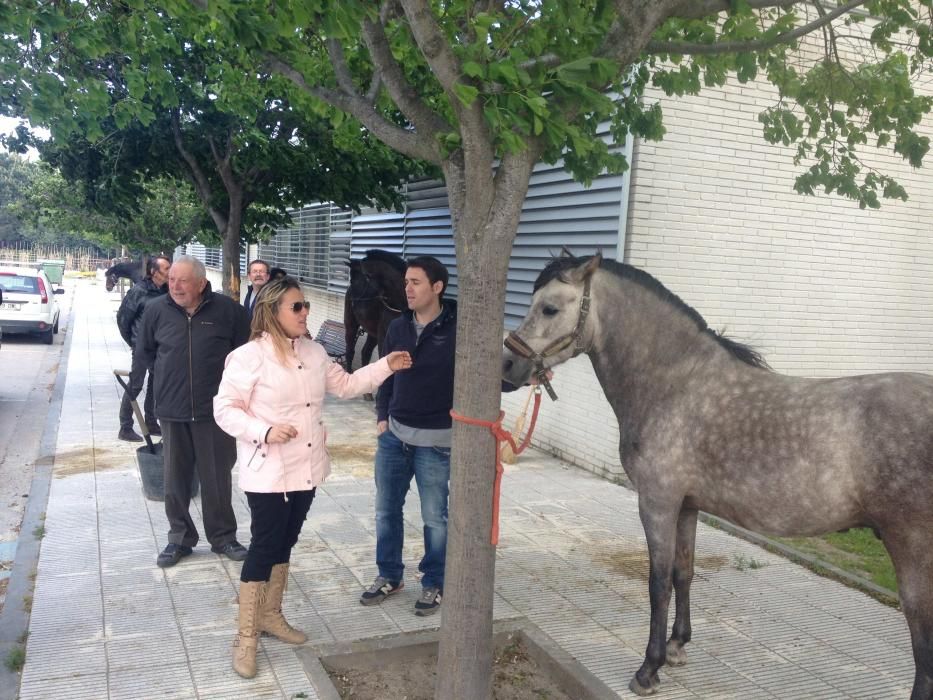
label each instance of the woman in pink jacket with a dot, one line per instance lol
(270, 399)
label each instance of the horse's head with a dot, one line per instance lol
(555, 327)
(111, 279)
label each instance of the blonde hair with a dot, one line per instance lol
(265, 314)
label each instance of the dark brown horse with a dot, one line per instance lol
(375, 298)
(133, 270)
(705, 425)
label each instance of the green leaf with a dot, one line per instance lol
(467, 94)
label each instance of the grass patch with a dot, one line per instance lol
(15, 659)
(743, 563)
(857, 551)
(27, 604)
(39, 532)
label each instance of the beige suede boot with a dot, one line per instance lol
(271, 619)
(247, 639)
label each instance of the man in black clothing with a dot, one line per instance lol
(129, 319)
(185, 337)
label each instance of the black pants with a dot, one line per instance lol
(136, 385)
(274, 528)
(203, 448)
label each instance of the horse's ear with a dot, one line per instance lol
(565, 252)
(582, 272)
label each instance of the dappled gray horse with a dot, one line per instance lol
(705, 425)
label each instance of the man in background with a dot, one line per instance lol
(129, 320)
(258, 274)
(186, 336)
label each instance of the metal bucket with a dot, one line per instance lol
(152, 472)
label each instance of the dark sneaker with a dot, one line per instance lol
(154, 428)
(129, 435)
(381, 589)
(172, 554)
(234, 550)
(429, 602)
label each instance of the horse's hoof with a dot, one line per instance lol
(641, 690)
(676, 655)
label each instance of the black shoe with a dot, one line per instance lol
(129, 435)
(154, 428)
(381, 589)
(172, 554)
(429, 602)
(234, 550)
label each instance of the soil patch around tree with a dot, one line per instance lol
(516, 676)
(527, 665)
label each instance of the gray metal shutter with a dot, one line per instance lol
(560, 212)
(385, 230)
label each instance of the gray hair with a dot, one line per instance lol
(200, 272)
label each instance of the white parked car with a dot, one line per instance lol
(29, 304)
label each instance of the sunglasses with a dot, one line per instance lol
(299, 305)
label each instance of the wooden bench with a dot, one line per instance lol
(332, 336)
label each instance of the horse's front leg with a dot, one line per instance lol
(683, 577)
(351, 329)
(366, 354)
(659, 520)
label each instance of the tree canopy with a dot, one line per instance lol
(126, 99)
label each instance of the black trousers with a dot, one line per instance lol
(136, 385)
(274, 529)
(203, 448)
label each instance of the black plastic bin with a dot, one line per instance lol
(152, 472)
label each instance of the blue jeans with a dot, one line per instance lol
(396, 463)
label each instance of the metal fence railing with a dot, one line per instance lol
(81, 259)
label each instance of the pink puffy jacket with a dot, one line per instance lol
(257, 391)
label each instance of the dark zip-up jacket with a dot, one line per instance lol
(130, 313)
(421, 397)
(186, 354)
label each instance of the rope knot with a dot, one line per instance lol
(501, 435)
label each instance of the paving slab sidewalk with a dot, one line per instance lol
(107, 623)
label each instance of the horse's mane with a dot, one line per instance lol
(740, 351)
(396, 261)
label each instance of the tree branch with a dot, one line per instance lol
(389, 72)
(683, 48)
(402, 140)
(443, 62)
(476, 140)
(196, 175)
(341, 69)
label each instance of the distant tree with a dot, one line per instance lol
(15, 174)
(166, 214)
(125, 100)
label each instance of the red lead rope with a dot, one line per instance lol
(501, 435)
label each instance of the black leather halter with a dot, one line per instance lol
(514, 343)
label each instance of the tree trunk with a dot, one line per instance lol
(465, 656)
(231, 247)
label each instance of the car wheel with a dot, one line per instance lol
(55, 327)
(48, 337)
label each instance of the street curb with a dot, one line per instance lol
(14, 620)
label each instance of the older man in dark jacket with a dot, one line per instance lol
(129, 319)
(185, 337)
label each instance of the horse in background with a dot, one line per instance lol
(375, 298)
(704, 424)
(134, 270)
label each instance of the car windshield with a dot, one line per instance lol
(22, 284)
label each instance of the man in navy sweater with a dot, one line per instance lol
(414, 432)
